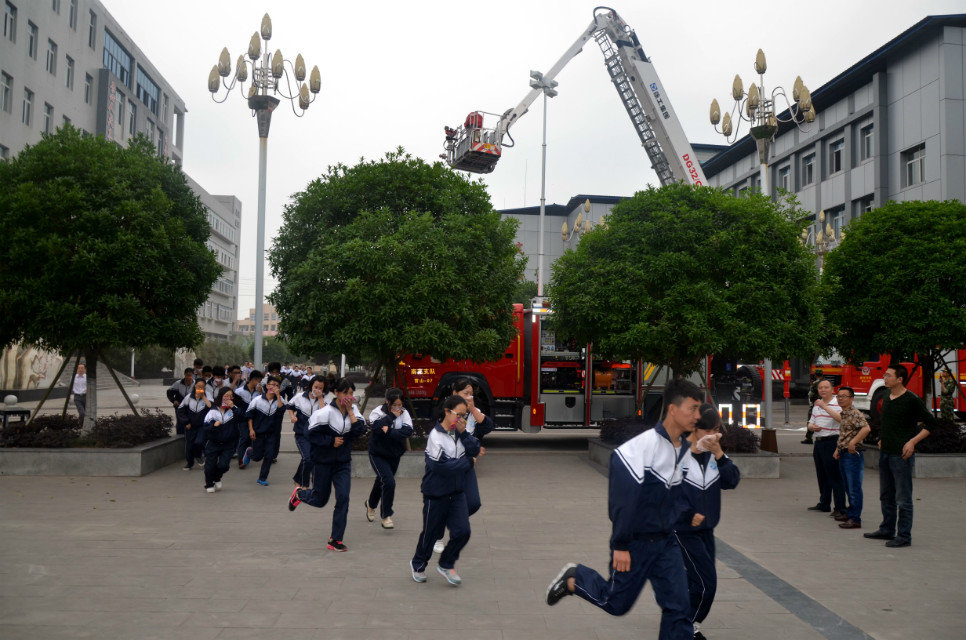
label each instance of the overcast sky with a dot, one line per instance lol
(394, 73)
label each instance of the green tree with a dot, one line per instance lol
(897, 282)
(526, 290)
(100, 246)
(220, 352)
(682, 272)
(395, 256)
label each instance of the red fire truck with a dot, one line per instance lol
(866, 378)
(541, 380)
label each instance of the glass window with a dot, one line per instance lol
(785, 178)
(32, 38)
(866, 146)
(148, 91)
(28, 106)
(862, 205)
(10, 22)
(52, 57)
(55, 6)
(837, 215)
(132, 116)
(117, 59)
(808, 169)
(88, 88)
(120, 101)
(914, 166)
(6, 92)
(836, 150)
(92, 31)
(72, 19)
(70, 72)
(66, 120)
(48, 118)
(4, 152)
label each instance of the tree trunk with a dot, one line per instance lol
(120, 386)
(650, 385)
(70, 384)
(375, 376)
(928, 377)
(90, 417)
(53, 383)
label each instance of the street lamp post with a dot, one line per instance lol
(759, 112)
(822, 238)
(266, 75)
(537, 81)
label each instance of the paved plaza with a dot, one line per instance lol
(157, 557)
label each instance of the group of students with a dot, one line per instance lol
(664, 502)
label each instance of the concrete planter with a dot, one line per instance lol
(136, 461)
(411, 465)
(928, 465)
(752, 465)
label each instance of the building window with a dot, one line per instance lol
(52, 57)
(132, 117)
(914, 165)
(6, 92)
(28, 106)
(92, 31)
(4, 152)
(72, 19)
(88, 88)
(837, 216)
(808, 169)
(866, 146)
(32, 38)
(10, 22)
(119, 123)
(862, 205)
(48, 118)
(117, 59)
(148, 91)
(160, 142)
(836, 150)
(164, 111)
(785, 178)
(66, 120)
(55, 6)
(70, 73)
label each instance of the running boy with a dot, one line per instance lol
(265, 414)
(644, 503)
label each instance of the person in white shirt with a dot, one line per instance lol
(79, 389)
(824, 423)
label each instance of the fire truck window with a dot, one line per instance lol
(834, 359)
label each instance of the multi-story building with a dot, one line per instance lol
(69, 61)
(890, 127)
(246, 326)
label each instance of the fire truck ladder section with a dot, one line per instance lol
(634, 109)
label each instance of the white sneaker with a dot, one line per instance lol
(387, 523)
(210, 489)
(370, 513)
(439, 546)
(218, 485)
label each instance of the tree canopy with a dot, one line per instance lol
(100, 246)
(681, 272)
(395, 256)
(897, 281)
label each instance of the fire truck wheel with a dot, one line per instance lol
(875, 406)
(750, 375)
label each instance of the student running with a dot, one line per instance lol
(243, 398)
(330, 431)
(449, 449)
(220, 425)
(264, 415)
(644, 502)
(390, 425)
(301, 409)
(192, 412)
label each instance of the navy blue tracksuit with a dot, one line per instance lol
(332, 465)
(303, 406)
(449, 457)
(221, 443)
(176, 394)
(191, 413)
(478, 430)
(243, 398)
(644, 502)
(266, 420)
(704, 478)
(385, 451)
